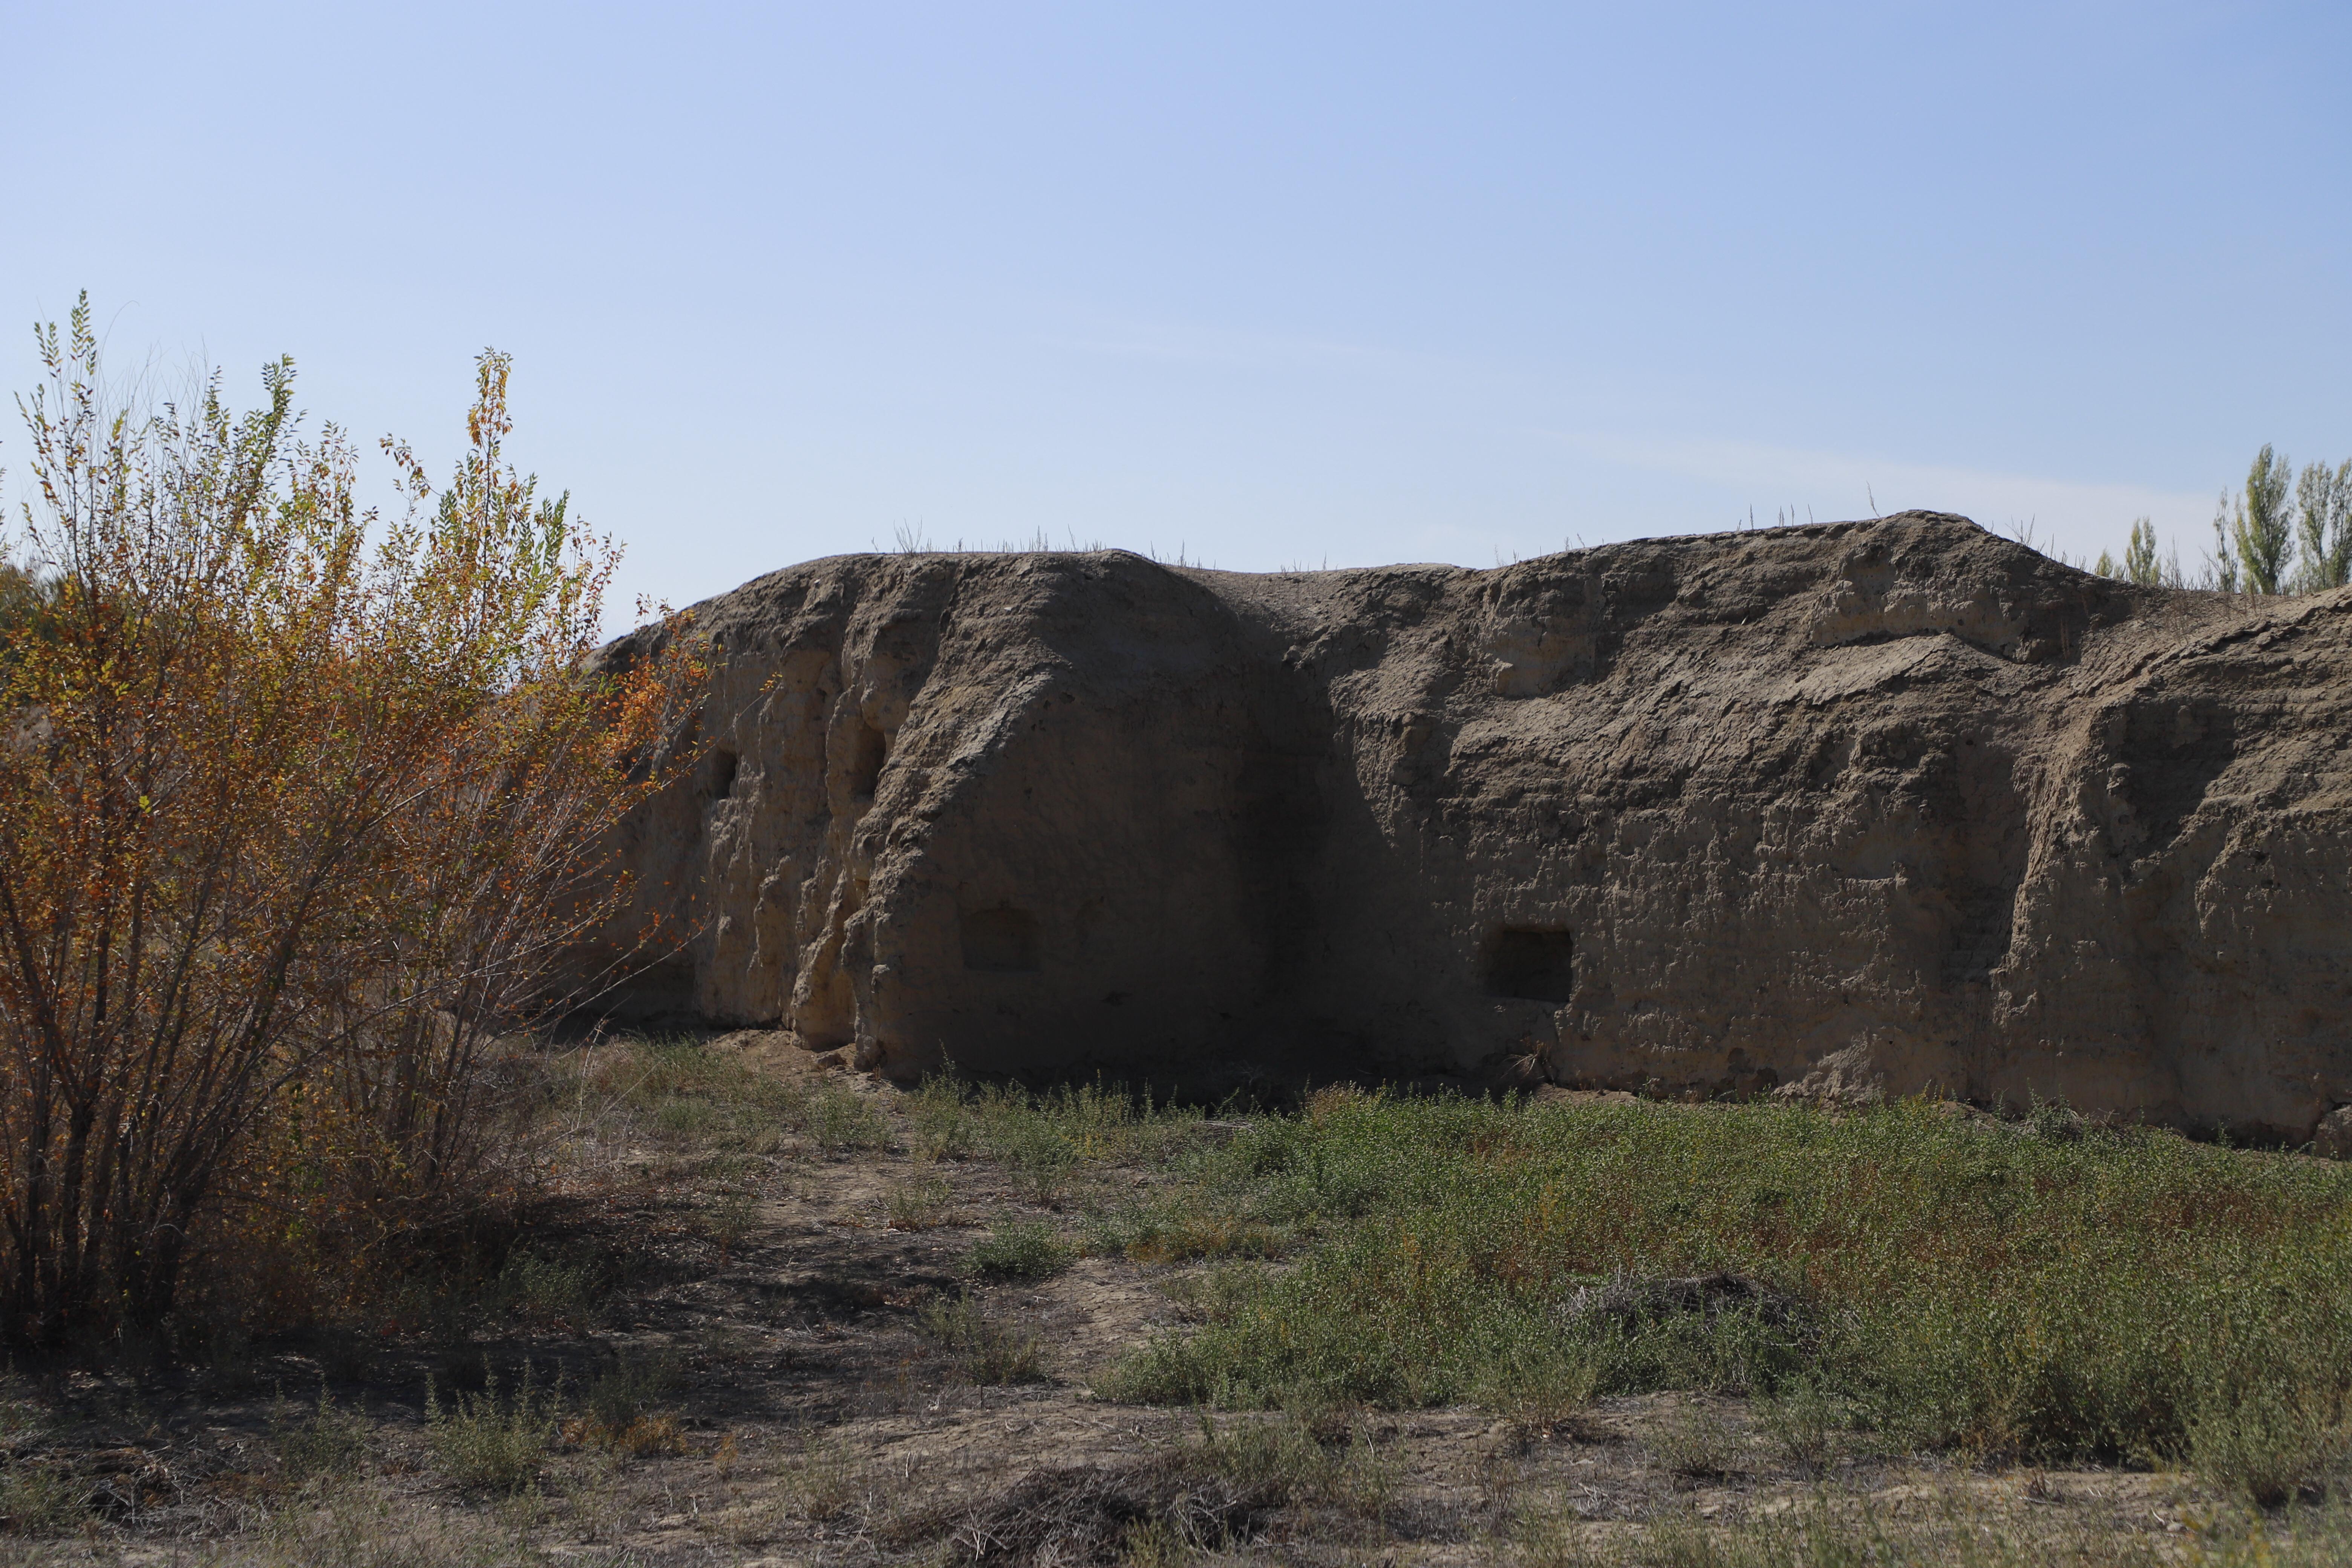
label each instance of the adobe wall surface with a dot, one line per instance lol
(1872, 806)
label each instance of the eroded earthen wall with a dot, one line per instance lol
(1876, 806)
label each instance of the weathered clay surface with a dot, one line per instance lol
(1868, 807)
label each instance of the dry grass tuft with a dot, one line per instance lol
(1153, 1511)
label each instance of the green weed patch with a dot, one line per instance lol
(1948, 1280)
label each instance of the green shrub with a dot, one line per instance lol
(988, 1351)
(19, 1417)
(824, 1482)
(686, 1121)
(2270, 1447)
(682, 1093)
(1021, 1250)
(36, 1498)
(1037, 1150)
(331, 1442)
(372, 1527)
(836, 1116)
(940, 1113)
(1803, 1422)
(627, 1392)
(490, 1444)
(917, 1204)
(1173, 1227)
(540, 1291)
(1693, 1442)
(1153, 1544)
(1540, 1388)
(730, 1215)
(1310, 1454)
(1043, 1137)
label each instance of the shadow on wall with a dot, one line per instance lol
(1000, 941)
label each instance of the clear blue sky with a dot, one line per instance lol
(1273, 283)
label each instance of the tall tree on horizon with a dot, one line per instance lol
(2324, 520)
(2261, 534)
(2140, 564)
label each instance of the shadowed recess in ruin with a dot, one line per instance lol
(1001, 941)
(1533, 965)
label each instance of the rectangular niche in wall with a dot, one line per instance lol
(1002, 939)
(1535, 966)
(868, 749)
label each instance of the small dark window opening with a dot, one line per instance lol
(723, 765)
(1535, 966)
(867, 748)
(1001, 941)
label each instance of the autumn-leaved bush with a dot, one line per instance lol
(302, 809)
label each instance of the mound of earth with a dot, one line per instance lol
(1864, 808)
